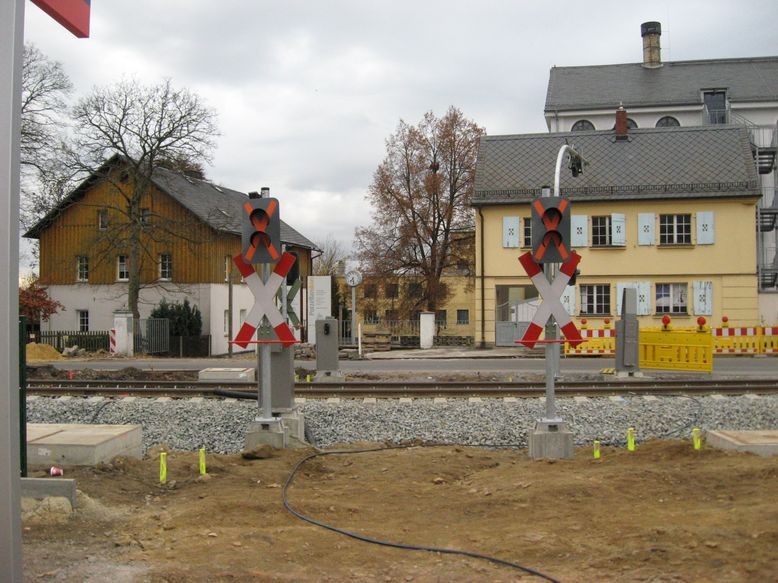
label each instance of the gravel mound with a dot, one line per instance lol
(219, 425)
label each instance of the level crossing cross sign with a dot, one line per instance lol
(552, 300)
(264, 305)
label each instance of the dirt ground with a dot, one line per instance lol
(664, 513)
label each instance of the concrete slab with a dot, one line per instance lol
(551, 441)
(40, 488)
(78, 445)
(227, 374)
(272, 434)
(760, 442)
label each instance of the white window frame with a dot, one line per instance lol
(82, 265)
(102, 220)
(675, 222)
(677, 295)
(82, 320)
(598, 310)
(122, 267)
(526, 232)
(163, 268)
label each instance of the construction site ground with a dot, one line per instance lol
(662, 513)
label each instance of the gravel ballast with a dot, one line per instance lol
(219, 425)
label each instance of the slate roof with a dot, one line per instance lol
(655, 163)
(219, 207)
(675, 83)
(216, 205)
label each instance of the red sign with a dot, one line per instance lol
(72, 14)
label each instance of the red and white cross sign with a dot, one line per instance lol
(264, 305)
(552, 302)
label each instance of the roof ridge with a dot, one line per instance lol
(762, 59)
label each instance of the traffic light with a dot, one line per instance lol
(261, 240)
(550, 229)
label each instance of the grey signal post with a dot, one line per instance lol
(551, 438)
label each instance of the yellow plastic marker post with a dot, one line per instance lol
(202, 461)
(162, 468)
(631, 439)
(696, 438)
(596, 449)
(307, 378)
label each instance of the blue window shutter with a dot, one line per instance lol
(705, 228)
(618, 229)
(579, 230)
(568, 299)
(703, 298)
(510, 231)
(646, 226)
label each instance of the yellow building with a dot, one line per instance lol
(667, 211)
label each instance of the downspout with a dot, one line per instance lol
(483, 285)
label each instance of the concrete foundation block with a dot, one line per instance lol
(40, 488)
(80, 444)
(294, 426)
(227, 374)
(551, 441)
(272, 434)
(759, 442)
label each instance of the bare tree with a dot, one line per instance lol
(148, 127)
(45, 87)
(332, 254)
(421, 202)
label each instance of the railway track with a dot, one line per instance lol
(423, 389)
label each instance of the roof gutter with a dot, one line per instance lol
(483, 285)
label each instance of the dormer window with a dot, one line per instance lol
(715, 106)
(582, 125)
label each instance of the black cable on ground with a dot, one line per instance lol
(368, 539)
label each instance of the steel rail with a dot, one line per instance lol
(354, 389)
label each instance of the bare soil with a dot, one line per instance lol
(663, 513)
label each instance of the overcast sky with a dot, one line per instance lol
(306, 92)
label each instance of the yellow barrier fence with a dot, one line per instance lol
(597, 341)
(676, 349)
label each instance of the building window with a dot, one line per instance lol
(242, 315)
(526, 232)
(715, 106)
(122, 270)
(370, 291)
(595, 299)
(675, 229)
(601, 231)
(463, 316)
(82, 268)
(671, 298)
(392, 290)
(165, 266)
(668, 121)
(441, 317)
(414, 289)
(83, 320)
(371, 316)
(102, 219)
(582, 125)
(145, 217)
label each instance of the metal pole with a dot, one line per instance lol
(230, 307)
(353, 312)
(263, 356)
(11, 46)
(552, 348)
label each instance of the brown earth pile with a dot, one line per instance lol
(38, 352)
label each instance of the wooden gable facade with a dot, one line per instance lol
(84, 240)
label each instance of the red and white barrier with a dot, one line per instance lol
(112, 340)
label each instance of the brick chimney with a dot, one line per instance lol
(621, 124)
(651, 31)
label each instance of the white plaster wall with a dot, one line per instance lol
(103, 300)
(242, 299)
(768, 309)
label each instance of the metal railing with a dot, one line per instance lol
(91, 341)
(152, 335)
